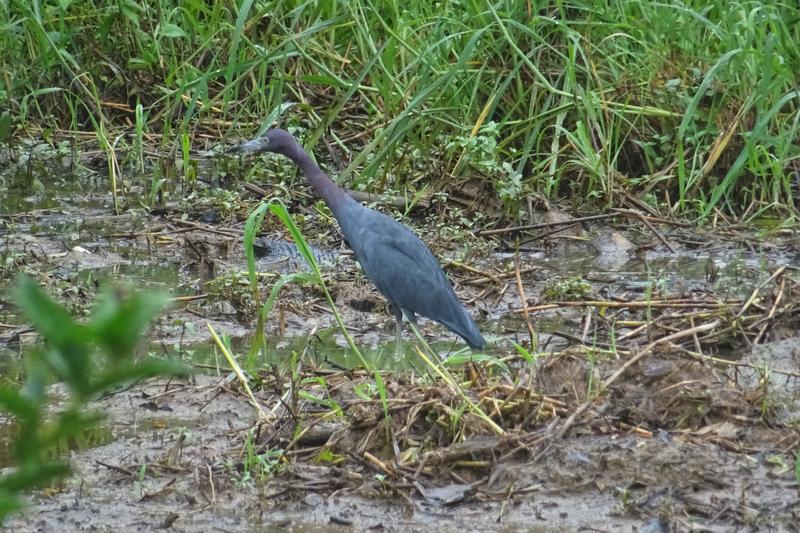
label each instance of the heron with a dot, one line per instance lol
(398, 263)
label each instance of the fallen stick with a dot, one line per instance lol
(643, 218)
(521, 291)
(569, 222)
(635, 303)
(630, 362)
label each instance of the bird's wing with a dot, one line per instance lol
(406, 272)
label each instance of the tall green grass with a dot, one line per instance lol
(692, 105)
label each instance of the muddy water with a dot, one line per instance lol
(61, 226)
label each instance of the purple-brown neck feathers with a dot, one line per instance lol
(282, 142)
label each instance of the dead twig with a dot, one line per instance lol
(751, 300)
(665, 303)
(650, 226)
(205, 227)
(526, 227)
(522, 298)
(630, 362)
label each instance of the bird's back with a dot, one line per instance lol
(404, 270)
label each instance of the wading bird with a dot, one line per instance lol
(399, 264)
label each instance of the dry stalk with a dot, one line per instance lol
(630, 362)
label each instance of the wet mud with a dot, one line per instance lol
(178, 459)
(648, 379)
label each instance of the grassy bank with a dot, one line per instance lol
(690, 106)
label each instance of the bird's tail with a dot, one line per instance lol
(467, 329)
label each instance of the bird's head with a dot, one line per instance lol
(275, 140)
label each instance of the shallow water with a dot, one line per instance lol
(60, 225)
(58, 220)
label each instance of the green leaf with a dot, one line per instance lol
(324, 402)
(67, 353)
(49, 318)
(382, 392)
(171, 30)
(18, 405)
(70, 424)
(297, 277)
(524, 353)
(9, 503)
(251, 228)
(364, 391)
(130, 10)
(302, 246)
(118, 325)
(460, 359)
(238, 30)
(115, 325)
(34, 476)
(327, 456)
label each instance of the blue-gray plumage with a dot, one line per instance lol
(399, 264)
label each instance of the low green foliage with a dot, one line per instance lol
(89, 358)
(490, 361)
(234, 289)
(529, 356)
(257, 465)
(326, 456)
(560, 289)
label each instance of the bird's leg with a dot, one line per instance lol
(398, 317)
(398, 349)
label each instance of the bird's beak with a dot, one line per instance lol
(249, 147)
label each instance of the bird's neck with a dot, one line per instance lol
(325, 187)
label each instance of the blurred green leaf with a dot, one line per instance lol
(118, 324)
(50, 319)
(26, 478)
(67, 351)
(114, 327)
(16, 404)
(171, 30)
(9, 502)
(130, 373)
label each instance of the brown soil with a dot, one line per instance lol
(663, 395)
(177, 458)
